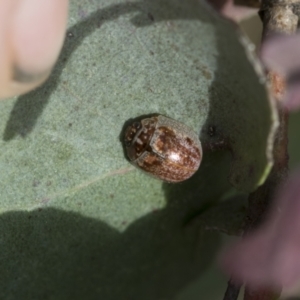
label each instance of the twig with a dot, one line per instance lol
(232, 291)
(278, 16)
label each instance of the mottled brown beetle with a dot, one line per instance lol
(163, 147)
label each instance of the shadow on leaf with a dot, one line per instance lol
(51, 254)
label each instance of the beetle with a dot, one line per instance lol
(163, 147)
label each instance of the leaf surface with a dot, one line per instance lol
(67, 189)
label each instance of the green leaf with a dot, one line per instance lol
(78, 220)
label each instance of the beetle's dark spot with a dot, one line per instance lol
(138, 148)
(137, 125)
(189, 141)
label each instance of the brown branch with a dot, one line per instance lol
(278, 16)
(232, 291)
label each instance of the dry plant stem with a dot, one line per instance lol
(278, 16)
(232, 291)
